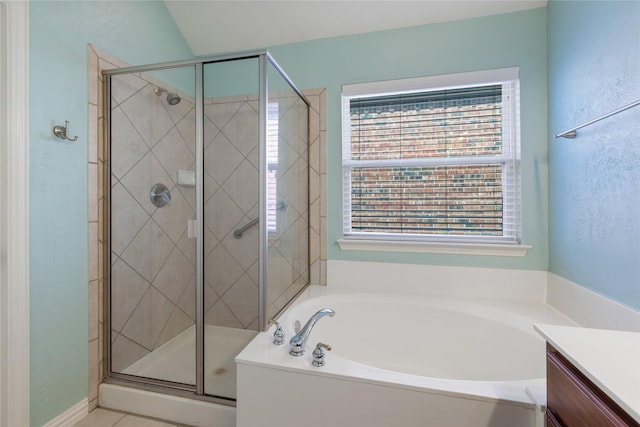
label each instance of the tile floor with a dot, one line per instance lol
(100, 417)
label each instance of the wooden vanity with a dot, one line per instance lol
(593, 377)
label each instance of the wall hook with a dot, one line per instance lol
(61, 132)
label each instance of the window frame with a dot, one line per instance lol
(505, 245)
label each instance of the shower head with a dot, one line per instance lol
(172, 98)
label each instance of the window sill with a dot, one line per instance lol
(490, 249)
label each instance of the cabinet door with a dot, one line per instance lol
(575, 401)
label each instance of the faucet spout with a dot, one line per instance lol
(299, 340)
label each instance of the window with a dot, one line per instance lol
(272, 166)
(433, 159)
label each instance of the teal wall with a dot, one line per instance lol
(594, 68)
(592, 219)
(137, 32)
(516, 39)
(231, 78)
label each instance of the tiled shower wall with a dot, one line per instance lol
(231, 202)
(158, 154)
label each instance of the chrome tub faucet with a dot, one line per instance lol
(299, 340)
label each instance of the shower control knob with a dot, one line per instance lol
(319, 354)
(160, 195)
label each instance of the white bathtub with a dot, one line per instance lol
(400, 360)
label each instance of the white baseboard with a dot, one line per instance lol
(71, 415)
(588, 308)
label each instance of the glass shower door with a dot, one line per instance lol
(152, 201)
(207, 225)
(231, 225)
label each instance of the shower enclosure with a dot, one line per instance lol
(207, 216)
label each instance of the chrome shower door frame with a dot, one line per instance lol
(264, 59)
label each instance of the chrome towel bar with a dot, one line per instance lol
(282, 205)
(238, 233)
(571, 133)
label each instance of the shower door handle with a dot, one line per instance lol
(192, 229)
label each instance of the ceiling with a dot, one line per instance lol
(217, 26)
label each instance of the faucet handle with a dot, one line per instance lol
(319, 354)
(278, 335)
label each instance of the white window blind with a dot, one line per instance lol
(435, 160)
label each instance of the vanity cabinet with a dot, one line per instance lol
(573, 400)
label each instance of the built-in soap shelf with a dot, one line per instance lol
(186, 178)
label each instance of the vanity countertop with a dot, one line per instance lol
(610, 359)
